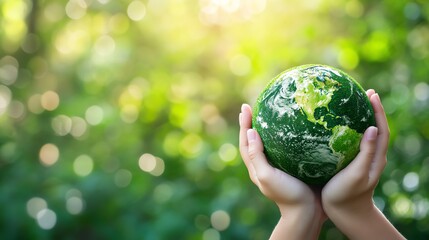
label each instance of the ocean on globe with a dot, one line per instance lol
(311, 120)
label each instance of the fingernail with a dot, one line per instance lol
(371, 133)
(240, 116)
(251, 135)
(242, 107)
(377, 96)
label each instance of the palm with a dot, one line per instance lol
(277, 185)
(358, 180)
(281, 185)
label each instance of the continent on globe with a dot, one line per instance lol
(311, 119)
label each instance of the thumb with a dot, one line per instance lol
(367, 149)
(256, 154)
(255, 145)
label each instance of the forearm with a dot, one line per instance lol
(368, 224)
(298, 224)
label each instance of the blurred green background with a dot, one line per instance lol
(119, 119)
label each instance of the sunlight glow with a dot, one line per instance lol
(151, 164)
(37, 208)
(73, 40)
(403, 207)
(76, 9)
(53, 12)
(136, 10)
(421, 91)
(50, 100)
(46, 219)
(94, 115)
(79, 127)
(83, 165)
(191, 145)
(104, 45)
(147, 162)
(411, 181)
(169, 145)
(421, 208)
(8, 70)
(220, 220)
(129, 110)
(119, 23)
(228, 152)
(74, 205)
(220, 11)
(5, 98)
(49, 154)
(13, 28)
(61, 125)
(354, 8)
(211, 234)
(17, 109)
(129, 113)
(74, 201)
(35, 205)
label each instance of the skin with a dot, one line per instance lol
(346, 199)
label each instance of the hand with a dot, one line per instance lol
(294, 198)
(353, 186)
(347, 197)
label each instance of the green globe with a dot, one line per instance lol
(311, 120)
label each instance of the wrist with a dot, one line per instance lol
(298, 222)
(357, 207)
(306, 215)
(300, 210)
(362, 223)
(350, 212)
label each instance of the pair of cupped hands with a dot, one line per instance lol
(346, 199)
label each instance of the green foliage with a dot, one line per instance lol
(118, 119)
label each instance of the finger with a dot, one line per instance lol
(263, 170)
(246, 110)
(256, 150)
(359, 168)
(245, 118)
(382, 125)
(271, 181)
(245, 123)
(380, 160)
(370, 92)
(368, 146)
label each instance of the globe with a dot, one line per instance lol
(311, 120)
